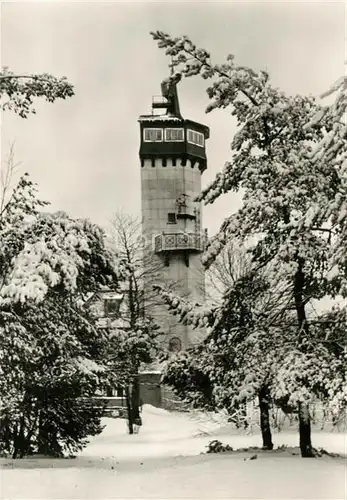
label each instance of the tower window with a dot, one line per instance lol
(175, 344)
(171, 218)
(153, 135)
(196, 138)
(111, 307)
(174, 134)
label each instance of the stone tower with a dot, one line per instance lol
(173, 158)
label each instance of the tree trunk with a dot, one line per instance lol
(299, 283)
(16, 444)
(135, 398)
(43, 447)
(305, 431)
(20, 443)
(304, 415)
(265, 419)
(129, 410)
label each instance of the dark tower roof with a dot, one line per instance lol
(170, 102)
(190, 145)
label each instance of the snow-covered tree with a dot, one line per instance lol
(130, 350)
(125, 236)
(235, 363)
(232, 263)
(290, 167)
(51, 352)
(136, 343)
(51, 357)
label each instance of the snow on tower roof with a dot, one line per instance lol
(150, 118)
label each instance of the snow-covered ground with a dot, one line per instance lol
(164, 461)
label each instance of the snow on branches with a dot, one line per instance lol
(41, 251)
(288, 157)
(189, 313)
(17, 92)
(52, 353)
(285, 191)
(304, 377)
(53, 251)
(51, 356)
(332, 150)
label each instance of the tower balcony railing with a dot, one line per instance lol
(170, 242)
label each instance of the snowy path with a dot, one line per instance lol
(164, 461)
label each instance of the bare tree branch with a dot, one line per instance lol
(7, 171)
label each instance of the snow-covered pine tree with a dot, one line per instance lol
(290, 193)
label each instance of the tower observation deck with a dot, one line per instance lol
(173, 158)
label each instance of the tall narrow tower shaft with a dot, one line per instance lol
(173, 157)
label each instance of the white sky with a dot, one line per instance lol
(83, 152)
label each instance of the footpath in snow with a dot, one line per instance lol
(164, 461)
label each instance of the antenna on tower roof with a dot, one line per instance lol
(169, 96)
